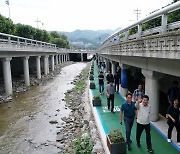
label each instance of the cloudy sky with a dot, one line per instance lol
(69, 15)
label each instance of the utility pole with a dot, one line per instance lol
(7, 2)
(37, 21)
(137, 12)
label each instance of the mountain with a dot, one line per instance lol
(89, 36)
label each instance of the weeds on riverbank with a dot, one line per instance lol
(83, 145)
(80, 85)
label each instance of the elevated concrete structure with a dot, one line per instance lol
(155, 51)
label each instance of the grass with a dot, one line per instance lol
(79, 85)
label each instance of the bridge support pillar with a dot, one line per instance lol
(52, 62)
(57, 60)
(113, 67)
(7, 76)
(61, 58)
(45, 65)
(26, 70)
(66, 57)
(38, 67)
(82, 59)
(124, 80)
(106, 65)
(151, 89)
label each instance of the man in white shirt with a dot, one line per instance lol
(143, 121)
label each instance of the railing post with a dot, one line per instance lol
(126, 35)
(139, 31)
(164, 23)
(9, 40)
(18, 42)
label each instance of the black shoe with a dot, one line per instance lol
(139, 145)
(112, 111)
(150, 150)
(129, 147)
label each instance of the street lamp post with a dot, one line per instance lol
(7, 2)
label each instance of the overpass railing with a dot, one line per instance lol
(123, 34)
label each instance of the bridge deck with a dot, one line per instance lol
(109, 121)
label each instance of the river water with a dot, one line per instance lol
(24, 122)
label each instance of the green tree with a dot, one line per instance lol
(6, 25)
(25, 31)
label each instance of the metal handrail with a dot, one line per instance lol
(164, 11)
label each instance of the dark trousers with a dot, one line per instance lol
(139, 131)
(117, 87)
(171, 126)
(128, 124)
(111, 99)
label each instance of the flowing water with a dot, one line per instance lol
(24, 122)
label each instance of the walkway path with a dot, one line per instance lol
(111, 120)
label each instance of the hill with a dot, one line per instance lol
(88, 36)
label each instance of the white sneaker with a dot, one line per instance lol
(169, 140)
(178, 143)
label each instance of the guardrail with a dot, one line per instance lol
(12, 41)
(123, 36)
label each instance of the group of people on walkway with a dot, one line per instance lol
(137, 106)
(141, 110)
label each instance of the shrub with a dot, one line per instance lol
(116, 136)
(96, 97)
(83, 145)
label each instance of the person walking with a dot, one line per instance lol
(101, 82)
(138, 92)
(173, 93)
(109, 77)
(128, 109)
(110, 95)
(116, 79)
(173, 120)
(143, 121)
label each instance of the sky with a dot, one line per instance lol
(69, 15)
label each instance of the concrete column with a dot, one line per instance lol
(68, 57)
(82, 57)
(152, 90)
(164, 23)
(60, 60)
(38, 67)
(26, 70)
(124, 79)
(113, 67)
(52, 62)
(57, 60)
(7, 76)
(106, 65)
(45, 65)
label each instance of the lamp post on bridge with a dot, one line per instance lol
(7, 2)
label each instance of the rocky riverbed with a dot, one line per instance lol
(80, 121)
(38, 120)
(18, 84)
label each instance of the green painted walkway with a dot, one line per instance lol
(111, 120)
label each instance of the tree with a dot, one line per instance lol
(25, 31)
(6, 25)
